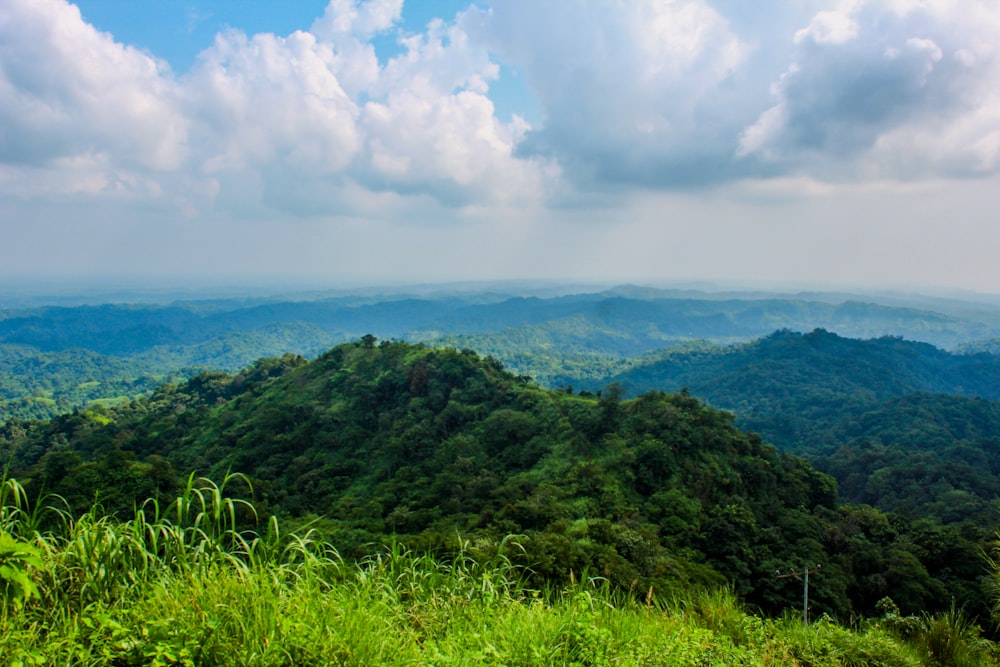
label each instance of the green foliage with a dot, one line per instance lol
(51, 357)
(952, 639)
(278, 599)
(448, 453)
(900, 425)
(39, 385)
(17, 559)
(376, 439)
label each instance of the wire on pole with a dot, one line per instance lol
(804, 575)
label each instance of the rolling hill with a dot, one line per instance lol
(374, 440)
(863, 410)
(557, 339)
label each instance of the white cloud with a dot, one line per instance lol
(432, 126)
(348, 28)
(637, 92)
(348, 18)
(258, 118)
(271, 100)
(644, 93)
(70, 95)
(893, 89)
(829, 27)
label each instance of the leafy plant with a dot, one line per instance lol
(17, 560)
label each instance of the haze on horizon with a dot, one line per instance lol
(810, 143)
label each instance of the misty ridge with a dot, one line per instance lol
(667, 442)
(59, 356)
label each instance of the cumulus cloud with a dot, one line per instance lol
(346, 18)
(649, 94)
(270, 99)
(293, 122)
(829, 27)
(76, 103)
(637, 92)
(887, 88)
(433, 121)
(701, 92)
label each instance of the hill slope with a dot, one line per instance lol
(397, 439)
(559, 340)
(866, 411)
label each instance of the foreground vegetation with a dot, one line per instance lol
(183, 585)
(375, 440)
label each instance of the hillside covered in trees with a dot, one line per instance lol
(55, 357)
(901, 425)
(647, 488)
(378, 441)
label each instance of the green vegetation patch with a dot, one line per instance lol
(380, 440)
(187, 586)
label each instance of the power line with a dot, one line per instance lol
(804, 575)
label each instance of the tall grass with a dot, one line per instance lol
(186, 584)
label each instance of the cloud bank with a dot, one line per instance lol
(302, 123)
(769, 102)
(645, 94)
(899, 89)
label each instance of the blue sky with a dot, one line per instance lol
(839, 143)
(178, 31)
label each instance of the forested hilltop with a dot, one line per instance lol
(901, 425)
(55, 357)
(379, 439)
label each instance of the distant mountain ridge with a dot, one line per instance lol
(124, 330)
(567, 339)
(862, 410)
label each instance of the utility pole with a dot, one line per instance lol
(804, 574)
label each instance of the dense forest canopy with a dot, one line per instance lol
(375, 439)
(51, 356)
(900, 424)
(602, 471)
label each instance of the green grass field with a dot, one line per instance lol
(181, 585)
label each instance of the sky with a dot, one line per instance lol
(805, 142)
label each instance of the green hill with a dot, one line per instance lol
(567, 339)
(867, 411)
(371, 441)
